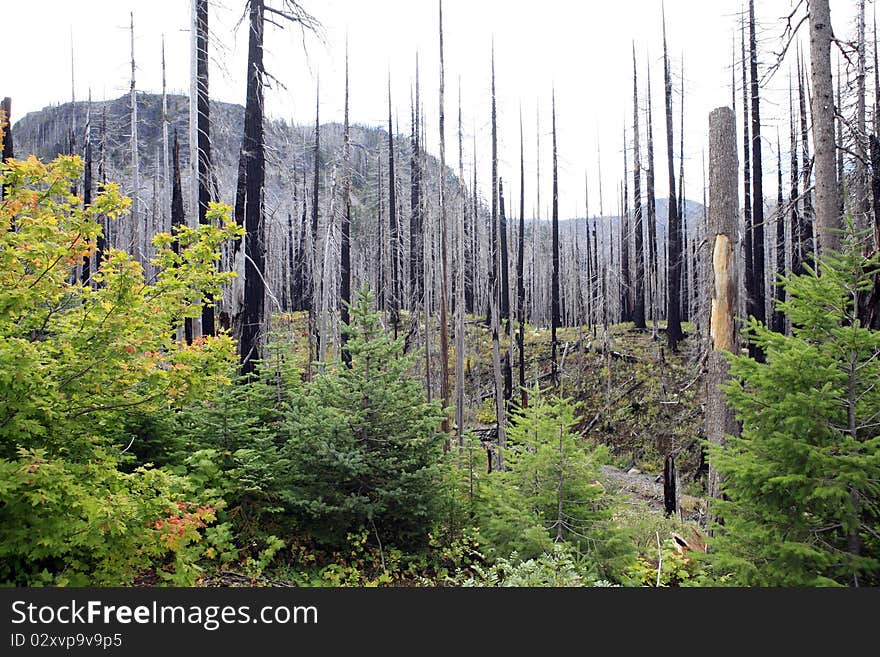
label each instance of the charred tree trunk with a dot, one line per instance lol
(779, 295)
(298, 262)
(204, 139)
(651, 204)
(670, 484)
(416, 250)
(625, 279)
(875, 187)
(444, 255)
(103, 236)
(554, 279)
(86, 274)
(861, 202)
(393, 299)
(135, 245)
(808, 242)
(673, 261)
(254, 157)
(758, 276)
(748, 240)
(178, 220)
(494, 287)
(314, 282)
(345, 232)
(504, 320)
(520, 270)
(505, 262)
(796, 255)
(492, 253)
(460, 287)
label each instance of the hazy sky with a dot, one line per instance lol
(583, 49)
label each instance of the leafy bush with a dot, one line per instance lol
(75, 360)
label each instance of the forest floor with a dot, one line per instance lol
(647, 489)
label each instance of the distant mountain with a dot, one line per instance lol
(289, 149)
(289, 176)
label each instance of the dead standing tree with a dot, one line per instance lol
(202, 163)
(639, 278)
(494, 288)
(252, 173)
(828, 223)
(673, 261)
(722, 235)
(758, 293)
(444, 273)
(554, 279)
(345, 233)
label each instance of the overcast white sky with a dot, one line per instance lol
(582, 48)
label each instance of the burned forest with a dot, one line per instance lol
(290, 299)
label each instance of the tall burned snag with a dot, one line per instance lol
(313, 289)
(460, 294)
(345, 237)
(828, 223)
(778, 318)
(639, 277)
(203, 142)
(392, 296)
(722, 236)
(520, 278)
(416, 238)
(758, 294)
(673, 261)
(135, 243)
(444, 273)
(178, 220)
(651, 207)
(554, 278)
(494, 283)
(254, 168)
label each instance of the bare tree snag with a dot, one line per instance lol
(758, 276)
(778, 317)
(722, 235)
(135, 244)
(460, 293)
(393, 296)
(520, 279)
(673, 261)
(651, 204)
(494, 287)
(203, 141)
(828, 223)
(345, 233)
(87, 185)
(444, 256)
(748, 242)
(639, 277)
(554, 280)
(255, 171)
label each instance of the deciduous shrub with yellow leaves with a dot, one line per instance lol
(75, 358)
